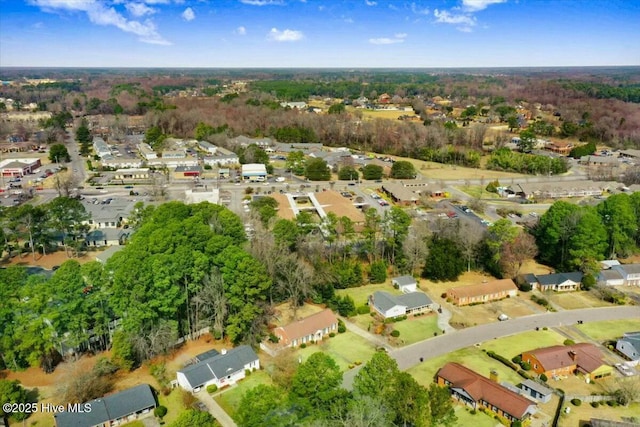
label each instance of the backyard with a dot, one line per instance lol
(361, 294)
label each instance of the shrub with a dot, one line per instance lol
(569, 342)
(303, 345)
(378, 272)
(188, 399)
(274, 339)
(544, 378)
(517, 359)
(212, 388)
(341, 327)
(363, 309)
(160, 411)
(526, 366)
(576, 402)
(595, 404)
(247, 372)
(332, 334)
(395, 333)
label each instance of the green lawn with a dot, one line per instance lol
(345, 349)
(477, 191)
(514, 345)
(230, 399)
(479, 419)
(609, 329)
(361, 294)
(472, 358)
(417, 329)
(173, 403)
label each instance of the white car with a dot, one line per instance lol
(280, 179)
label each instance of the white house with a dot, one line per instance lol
(630, 273)
(100, 147)
(222, 370)
(405, 283)
(389, 306)
(610, 278)
(629, 345)
(208, 147)
(146, 151)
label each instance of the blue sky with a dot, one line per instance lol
(319, 33)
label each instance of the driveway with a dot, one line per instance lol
(433, 347)
(216, 410)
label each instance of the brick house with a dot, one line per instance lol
(563, 360)
(310, 329)
(483, 292)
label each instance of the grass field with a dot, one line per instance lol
(472, 358)
(345, 349)
(478, 191)
(361, 294)
(512, 346)
(230, 399)
(609, 329)
(575, 300)
(586, 412)
(416, 329)
(435, 170)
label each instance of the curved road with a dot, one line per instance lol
(433, 347)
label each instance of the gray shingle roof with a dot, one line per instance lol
(633, 338)
(631, 268)
(111, 407)
(219, 366)
(537, 387)
(404, 280)
(557, 278)
(206, 355)
(414, 300)
(385, 301)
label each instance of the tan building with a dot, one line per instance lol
(310, 329)
(483, 292)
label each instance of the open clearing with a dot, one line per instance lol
(435, 170)
(49, 260)
(575, 300)
(416, 329)
(512, 346)
(361, 294)
(346, 349)
(609, 329)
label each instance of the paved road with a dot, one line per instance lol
(410, 356)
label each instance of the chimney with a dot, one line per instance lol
(573, 355)
(493, 376)
(223, 351)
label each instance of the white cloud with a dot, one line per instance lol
(99, 14)
(465, 22)
(370, 3)
(418, 10)
(348, 20)
(476, 5)
(38, 25)
(285, 35)
(241, 31)
(188, 14)
(397, 38)
(139, 9)
(263, 2)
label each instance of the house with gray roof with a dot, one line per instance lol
(405, 283)
(536, 390)
(630, 273)
(629, 345)
(108, 213)
(107, 237)
(223, 369)
(390, 306)
(610, 277)
(104, 256)
(115, 409)
(559, 282)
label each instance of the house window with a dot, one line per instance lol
(535, 366)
